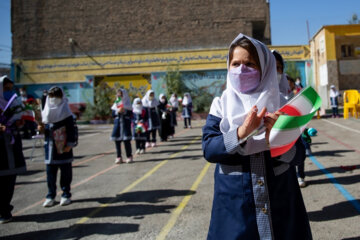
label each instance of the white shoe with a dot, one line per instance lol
(129, 160)
(308, 152)
(147, 144)
(137, 151)
(118, 160)
(301, 182)
(153, 144)
(142, 151)
(49, 202)
(65, 201)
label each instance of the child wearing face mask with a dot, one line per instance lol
(187, 108)
(122, 112)
(60, 138)
(164, 112)
(253, 192)
(150, 104)
(284, 87)
(12, 161)
(140, 124)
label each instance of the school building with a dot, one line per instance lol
(335, 53)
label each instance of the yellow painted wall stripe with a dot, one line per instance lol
(167, 228)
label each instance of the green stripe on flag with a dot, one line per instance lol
(290, 122)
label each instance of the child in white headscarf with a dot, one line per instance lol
(284, 87)
(150, 105)
(122, 112)
(174, 102)
(253, 193)
(164, 112)
(186, 112)
(334, 95)
(140, 125)
(12, 161)
(59, 140)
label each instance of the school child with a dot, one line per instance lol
(284, 87)
(60, 138)
(12, 161)
(255, 196)
(150, 104)
(140, 123)
(164, 112)
(334, 95)
(122, 112)
(186, 112)
(174, 103)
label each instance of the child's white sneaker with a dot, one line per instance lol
(153, 144)
(301, 182)
(142, 151)
(147, 144)
(129, 160)
(137, 151)
(118, 160)
(65, 201)
(49, 202)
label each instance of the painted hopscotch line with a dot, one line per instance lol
(131, 186)
(175, 215)
(82, 182)
(337, 185)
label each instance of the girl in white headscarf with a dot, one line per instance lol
(12, 161)
(186, 112)
(140, 124)
(60, 138)
(165, 121)
(253, 193)
(150, 104)
(284, 87)
(334, 95)
(122, 112)
(174, 102)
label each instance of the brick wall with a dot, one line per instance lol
(42, 28)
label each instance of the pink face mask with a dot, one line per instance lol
(244, 79)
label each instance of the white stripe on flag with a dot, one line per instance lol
(302, 104)
(280, 138)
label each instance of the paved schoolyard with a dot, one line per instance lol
(167, 192)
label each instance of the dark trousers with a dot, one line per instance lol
(335, 111)
(140, 144)
(127, 148)
(7, 186)
(153, 135)
(65, 179)
(185, 123)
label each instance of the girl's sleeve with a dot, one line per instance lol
(217, 146)
(70, 132)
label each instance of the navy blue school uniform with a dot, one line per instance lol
(186, 112)
(173, 121)
(255, 196)
(140, 118)
(122, 126)
(12, 163)
(56, 159)
(154, 120)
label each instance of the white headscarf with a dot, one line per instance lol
(174, 101)
(16, 103)
(284, 87)
(147, 103)
(3, 102)
(234, 106)
(136, 108)
(187, 99)
(125, 100)
(55, 113)
(333, 91)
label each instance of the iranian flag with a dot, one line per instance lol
(288, 127)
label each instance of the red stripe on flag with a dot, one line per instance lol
(28, 118)
(290, 110)
(277, 151)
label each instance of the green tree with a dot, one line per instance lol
(174, 81)
(103, 99)
(291, 70)
(354, 19)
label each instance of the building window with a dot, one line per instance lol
(347, 51)
(258, 30)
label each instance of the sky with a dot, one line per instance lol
(288, 20)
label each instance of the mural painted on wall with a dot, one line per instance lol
(75, 92)
(213, 82)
